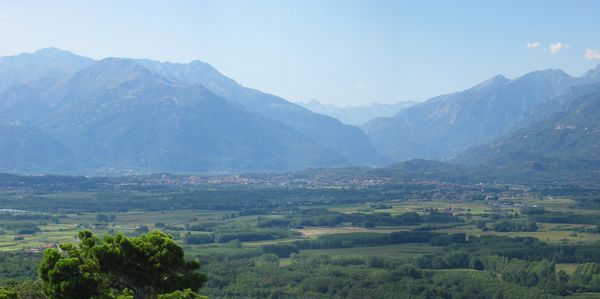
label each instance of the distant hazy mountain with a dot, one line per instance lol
(60, 112)
(356, 115)
(570, 134)
(592, 75)
(28, 149)
(349, 141)
(445, 125)
(117, 115)
(43, 64)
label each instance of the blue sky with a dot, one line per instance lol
(343, 52)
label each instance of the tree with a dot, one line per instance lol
(145, 266)
(104, 218)
(74, 274)
(4, 294)
(268, 260)
(21, 290)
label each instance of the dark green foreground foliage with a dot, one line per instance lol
(485, 267)
(142, 267)
(18, 266)
(152, 266)
(324, 277)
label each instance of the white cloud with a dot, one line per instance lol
(359, 86)
(532, 45)
(592, 54)
(557, 47)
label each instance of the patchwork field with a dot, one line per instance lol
(65, 228)
(244, 239)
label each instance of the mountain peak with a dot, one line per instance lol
(551, 79)
(547, 74)
(41, 64)
(59, 56)
(112, 72)
(314, 102)
(593, 74)
(51, 51)
(201, 63)
(119, 66)
(162, 64)
(495, 81)
(499, 78)
(195, 72)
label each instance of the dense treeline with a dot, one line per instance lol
(526, 276)
(324, 217)
(22, 228)
(365, 239)
(586, 278)
(281, 250)
(589, 201)
(531, 249)
(541, 274)
(251, 236)
(325, 277)
(561, 217)
(247, 200)
(514, 226)
(242, 236)
(18, 266)
(199, 239)
(540, 214)
(28, 217)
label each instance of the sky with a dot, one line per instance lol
(342, 52)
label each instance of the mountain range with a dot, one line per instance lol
(447, 125)
(65, 113)
(119, 115)
(570, 133)
(356, 115)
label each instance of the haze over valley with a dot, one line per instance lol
(120, 115)
(299, 149)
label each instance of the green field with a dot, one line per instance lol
(441, 238)
(69, 224)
